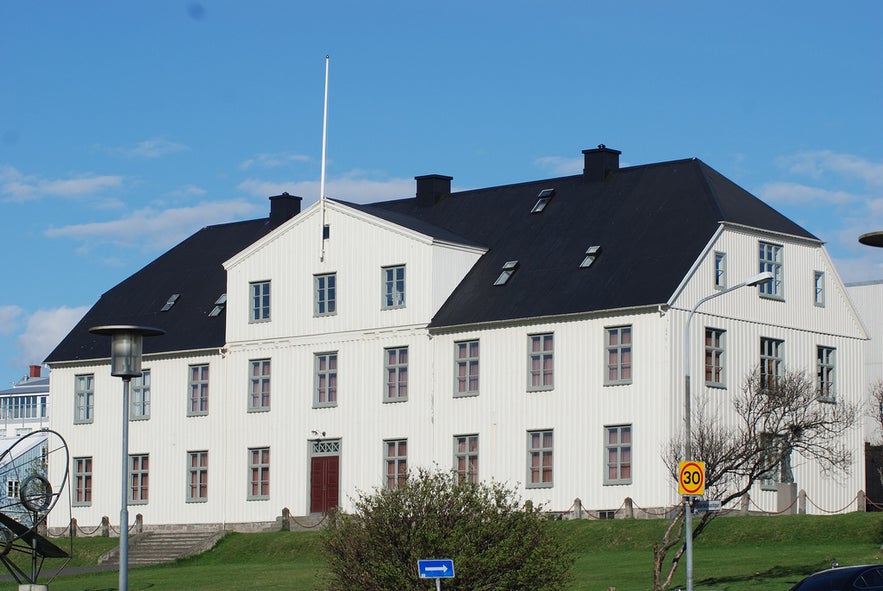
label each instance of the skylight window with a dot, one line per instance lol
(170, 302)
(592, 253)
(509, 268)
(543, 200)
(220, 304)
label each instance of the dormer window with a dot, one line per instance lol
(170, 302)
(509, 268)
(543, 200)
(592, 253)
(220, 304)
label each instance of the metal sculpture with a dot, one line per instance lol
(29, 496)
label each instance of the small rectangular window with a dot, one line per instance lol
(325, 294)
(819, 289)
(618, 451)
(326, 380)
(197, 476)
(396, 368)
(258, 473)
(592, 253)
(198, 385)
(509, 268)
(619, 355)
(466, 368)
(539, 459)
(543, 200)
(771, 256)
(260, 301)
(715, 357)
(393, 287)
(826, 373)
(220, 304)
(84, 398)
(259, 385)
(139, 465)
(139, 397)
(82, 482)
(771, 361)
(466, 458)
(395, 457)
(170, 302)
(720, 270)
(540, 361)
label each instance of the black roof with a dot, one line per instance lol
(194, 270)
(650, 221)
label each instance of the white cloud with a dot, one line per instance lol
(188, 191)
(9, 319)
(819, 162)
(560, 165)
(151, 228)
(153, 148)
(45, 329)
(354, 187)
(799, 194)
(273, 160)
(16, 187)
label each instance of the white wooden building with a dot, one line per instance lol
(530, 334)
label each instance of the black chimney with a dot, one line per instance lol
(432, 188)
(283, 207)
(600, 162)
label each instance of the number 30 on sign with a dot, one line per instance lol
(691, 478)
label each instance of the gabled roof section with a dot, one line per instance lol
(192, 269)
(652, 221)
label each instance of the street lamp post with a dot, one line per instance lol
(125, 362)
(688, 422)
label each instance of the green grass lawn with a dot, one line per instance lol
(734, 554)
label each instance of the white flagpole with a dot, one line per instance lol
(324, 147)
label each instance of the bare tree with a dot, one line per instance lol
(775, 419)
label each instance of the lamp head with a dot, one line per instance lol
(126, 347)
(759, 278)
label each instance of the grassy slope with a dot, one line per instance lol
(735, 554)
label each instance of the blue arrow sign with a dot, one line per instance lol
(441, 568)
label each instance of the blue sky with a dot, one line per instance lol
(126, 126)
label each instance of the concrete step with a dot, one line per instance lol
(156, 547)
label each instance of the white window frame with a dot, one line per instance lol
(826, 373)
(715, 357)
(541, 458)
(139, 397)
(395, 461)
(325, 379)
(259, 384)
(772, 259)
(395, 369)
(818, 281)
(720, 270)
(772, 360)
(619, 355)
(82, 478)
(618, 454)
(325, 292)
(466, 368)
(466, 457)
(258, 474)
(139, 479)
(394, 287)
(198, 385)
(84, 398)
(197, 476)
(540, 361)
(259, 307)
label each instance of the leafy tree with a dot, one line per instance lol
(774, 419)
(495, 541)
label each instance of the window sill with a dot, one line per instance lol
(618, 482)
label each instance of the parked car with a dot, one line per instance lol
(868, 577)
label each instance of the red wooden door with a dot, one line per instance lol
(324, 483)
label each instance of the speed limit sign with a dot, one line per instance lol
(691, 478)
